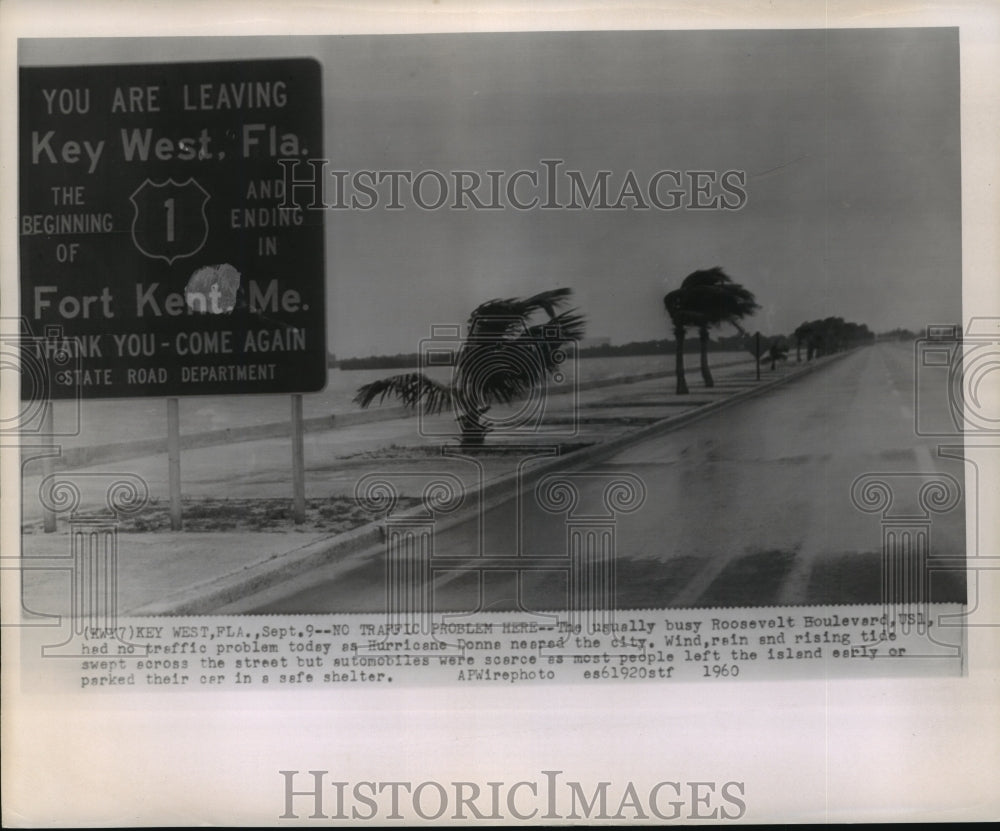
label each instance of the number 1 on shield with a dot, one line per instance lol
(169, 205)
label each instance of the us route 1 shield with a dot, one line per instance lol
(170, 220)
(159, 256)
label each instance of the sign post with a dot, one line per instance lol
(298, 463)
(174, 463)
(49, 524)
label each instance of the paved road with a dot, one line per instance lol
(749, 506)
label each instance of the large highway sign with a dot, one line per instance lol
(155, 250)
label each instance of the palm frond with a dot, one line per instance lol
(565, 326)
(507, 317)
(546, 301)
(706, 277)
(493, 325)
(412, 389)
(502, 359)
(501, 370)
(709, 298)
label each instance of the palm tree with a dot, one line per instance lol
(706, 299)
(777, 351)
(829, 335)
(502, 359)
(771, 349)
(674, 303)
(804, 333)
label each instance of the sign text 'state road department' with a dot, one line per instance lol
(155, 257)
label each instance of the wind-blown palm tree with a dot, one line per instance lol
(502, 359)
(776, 351)
(705, 299)
(804, 334)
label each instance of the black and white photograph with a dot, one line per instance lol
(393, 370)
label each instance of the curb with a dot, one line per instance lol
(361, 542)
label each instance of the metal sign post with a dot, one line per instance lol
(174, 463)
(298, 463)
(48, 514)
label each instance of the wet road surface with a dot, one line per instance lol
(750, 506)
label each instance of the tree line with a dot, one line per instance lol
(829, 335)
(656, 346)
(508, 352)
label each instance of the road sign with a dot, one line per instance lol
(155, 249)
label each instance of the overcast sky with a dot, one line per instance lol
(849, 138)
